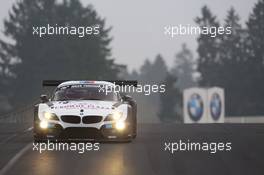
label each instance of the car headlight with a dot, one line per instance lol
(120, 125)
(114, 117)
(50, 116)
(117, 115)
(43, 124)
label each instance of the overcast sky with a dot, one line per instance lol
(138, 25)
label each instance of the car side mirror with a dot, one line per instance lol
(127, 98)
(44, 98)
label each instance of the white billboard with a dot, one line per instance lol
(203, 105)
(216, 105)
(194, 108)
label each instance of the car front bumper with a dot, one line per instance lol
(105, 131)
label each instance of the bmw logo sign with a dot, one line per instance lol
(215, 106)
(195, 107)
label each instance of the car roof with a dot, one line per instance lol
(67, 83)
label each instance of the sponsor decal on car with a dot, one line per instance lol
(81, 106)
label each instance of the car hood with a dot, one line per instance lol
(82, 107)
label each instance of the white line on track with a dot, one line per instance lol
(14, 135)
(29, 129)
(11, 162)
(8, 138)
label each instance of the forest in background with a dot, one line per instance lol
(234, 62)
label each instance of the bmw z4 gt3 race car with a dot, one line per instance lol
(80, 110)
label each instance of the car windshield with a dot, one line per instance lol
(84, 92)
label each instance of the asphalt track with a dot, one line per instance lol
(146, 155)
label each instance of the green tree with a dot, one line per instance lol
(145, 70)
(134, 75)
(233, 65)
(159, 69)
(153, 72)
(184, 68)
(208, 55)
(255, 48)
(150, 73)
(54, 56)
(6, 75)
(170, 101)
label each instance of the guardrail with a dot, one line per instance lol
(23, 115)
(245, 119)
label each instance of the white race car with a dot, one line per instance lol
(81, 110)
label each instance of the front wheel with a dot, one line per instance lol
(134, 128)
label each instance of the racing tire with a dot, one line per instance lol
(134, 119)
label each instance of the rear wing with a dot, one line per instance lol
(116, 82)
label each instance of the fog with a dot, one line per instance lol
(138, 26)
